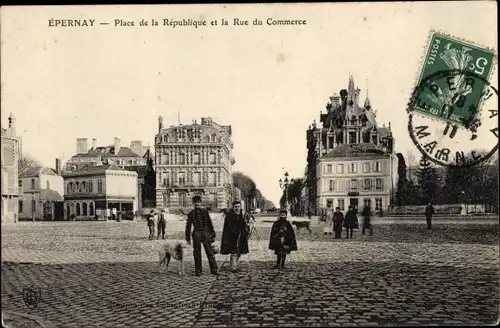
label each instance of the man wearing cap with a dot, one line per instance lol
(203, 233)
(338, 219)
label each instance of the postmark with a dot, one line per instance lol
(453, 113)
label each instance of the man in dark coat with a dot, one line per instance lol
(203, 233)
(429, 210)
(338, 219)
(282, 239)
(367, 213)
(151, 224)
(162, 225)
(234, 236)
(350, 221)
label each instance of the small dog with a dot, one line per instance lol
(303, 225)
(171, 251)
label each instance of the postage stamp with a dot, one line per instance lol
(454, 99)
(453, 111)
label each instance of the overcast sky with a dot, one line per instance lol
(269, 83)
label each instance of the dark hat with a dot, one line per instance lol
(337, 208)
(196, 198)
(283, 212)
(236, 202)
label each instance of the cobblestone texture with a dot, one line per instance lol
(97, 274)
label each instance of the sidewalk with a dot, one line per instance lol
(19, 320)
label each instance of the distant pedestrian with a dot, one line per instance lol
(366, 213)
(338, 219)
(282, 239)
(429, 211)
(162, 224)
(350, 221)
(328, 225)
(151, 224)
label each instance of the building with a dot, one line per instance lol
(112, 154)
(100, 191)
(193, 159)
(351, 159)
(11, 151)
(43, 190)
(146, 183)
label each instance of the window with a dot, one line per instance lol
(353, 168)
(367, 202)
(166, 182)
(182, 199)
(84, 186)
(375, 140)
(340, 203)
(90, 185)
(377, 167)
(77, 209)
(84, 208)
(197, 178)
(91, 209)
(354, 184)
(182, 179)
(32, 183)
(330, 185)
(182, 160)
(165, 160)
(378, 184)
(378, 204)
(352, 138)
(165, 138)
(166, 199)
(99, 186)
(33, 206)
(213, 178)
(340, 168)
(329, 168)
(212, 158)
(20, 183)
(197, 159)
(70, 187)
(367, 184)
(20, 206)
(366, 167)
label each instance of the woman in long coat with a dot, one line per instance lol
(234, 236)
(282, 239)
(350, 221)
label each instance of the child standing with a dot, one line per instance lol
(282, 239)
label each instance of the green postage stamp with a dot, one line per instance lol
(452, 81)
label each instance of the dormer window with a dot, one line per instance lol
(165, 138)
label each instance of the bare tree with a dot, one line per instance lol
(26, 162)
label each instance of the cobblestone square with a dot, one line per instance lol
(100, 274)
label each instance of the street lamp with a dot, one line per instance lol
(284, 184)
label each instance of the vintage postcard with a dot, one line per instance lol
(250, 165)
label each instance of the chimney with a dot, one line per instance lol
(136, 147)
(94, 141)
(58, 166)
(117, 146)
(81, 146)
(160, 123)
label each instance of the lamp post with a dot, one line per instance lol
(284, 184)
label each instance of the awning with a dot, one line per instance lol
(49, 195)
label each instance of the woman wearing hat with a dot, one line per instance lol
(282, 239)
(328, 227)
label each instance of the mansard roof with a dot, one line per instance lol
(94, 170)
(356, 150)
(109, 152)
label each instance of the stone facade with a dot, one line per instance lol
(43, 191)
(11, 150)
(193, 159)
(135, 155)
(99, 190)
(351, 159)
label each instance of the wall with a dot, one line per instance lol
(121, 184)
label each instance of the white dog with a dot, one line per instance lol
(172, 250)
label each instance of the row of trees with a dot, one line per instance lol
(475, 184)
(249, 192)
(294, 197)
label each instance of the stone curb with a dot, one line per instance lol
(37, 321)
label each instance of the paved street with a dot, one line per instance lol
(100, 274)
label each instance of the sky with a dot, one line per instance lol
(268, 82)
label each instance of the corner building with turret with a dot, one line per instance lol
(351, 158)
(194, 159)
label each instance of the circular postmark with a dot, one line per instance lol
(453, 118)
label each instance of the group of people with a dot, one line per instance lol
(235, 233)
(158, 221)
(334, 221)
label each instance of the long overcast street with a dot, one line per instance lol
(100, 274)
